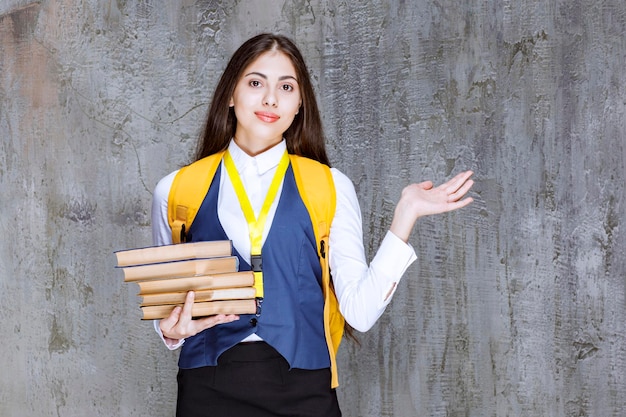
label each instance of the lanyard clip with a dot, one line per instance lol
(259, 301)
(256, 263)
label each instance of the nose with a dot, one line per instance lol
(270, 99)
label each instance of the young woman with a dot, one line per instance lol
(278, 362)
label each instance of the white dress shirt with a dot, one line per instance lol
(363, 290)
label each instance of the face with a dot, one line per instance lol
(266, 100)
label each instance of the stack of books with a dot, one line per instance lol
(165, 274)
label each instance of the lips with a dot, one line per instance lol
(267, 116)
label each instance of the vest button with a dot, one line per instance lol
(253, 322)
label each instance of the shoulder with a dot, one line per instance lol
(164, 185)
(343, 184)
(348, 208)
(162, 189)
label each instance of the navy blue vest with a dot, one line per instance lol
(291, 318)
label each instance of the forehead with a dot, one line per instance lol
(272, 63)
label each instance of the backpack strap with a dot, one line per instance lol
(189, 188)
(317, 190)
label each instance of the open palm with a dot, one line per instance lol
(422, 199)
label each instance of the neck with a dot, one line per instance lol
(253, 147)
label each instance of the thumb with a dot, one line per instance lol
(426, 185)
(188, 306)
(171, 320)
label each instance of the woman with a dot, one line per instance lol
(278, 364)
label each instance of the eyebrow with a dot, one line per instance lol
(282, 78)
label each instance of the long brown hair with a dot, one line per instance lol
(304, 137)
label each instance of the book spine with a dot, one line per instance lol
(202, 309)
(171, 253)
(187, 268)
(200, 296)
(197, 283)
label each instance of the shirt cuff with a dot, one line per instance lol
(167, 342)
(396, 256)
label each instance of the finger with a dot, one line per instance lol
(461, 178)
(212, 321)
(226, 318)
(188, 306)
(455, 205)
(171, 320)
(457, 182)
(425, 185)
(223, 318)
(458, 194)
(461, 203)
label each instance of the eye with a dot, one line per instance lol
(287, 87)
(255, 83)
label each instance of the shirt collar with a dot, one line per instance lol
(264, 161)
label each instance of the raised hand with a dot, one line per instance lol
(423, 199)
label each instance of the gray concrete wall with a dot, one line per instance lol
(516, 306)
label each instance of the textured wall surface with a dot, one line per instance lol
(516, 305)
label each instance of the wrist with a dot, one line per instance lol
(170, 341)
(402, 224)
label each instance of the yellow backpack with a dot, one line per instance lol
(317, 190)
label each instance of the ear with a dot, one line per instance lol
(231, 103)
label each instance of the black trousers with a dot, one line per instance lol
(254, 380)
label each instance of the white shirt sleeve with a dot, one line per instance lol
(363, 291)
(162, 234)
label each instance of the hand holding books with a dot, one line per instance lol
(179, 324)
(165, 275)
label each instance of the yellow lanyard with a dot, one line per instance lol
(256, 225)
